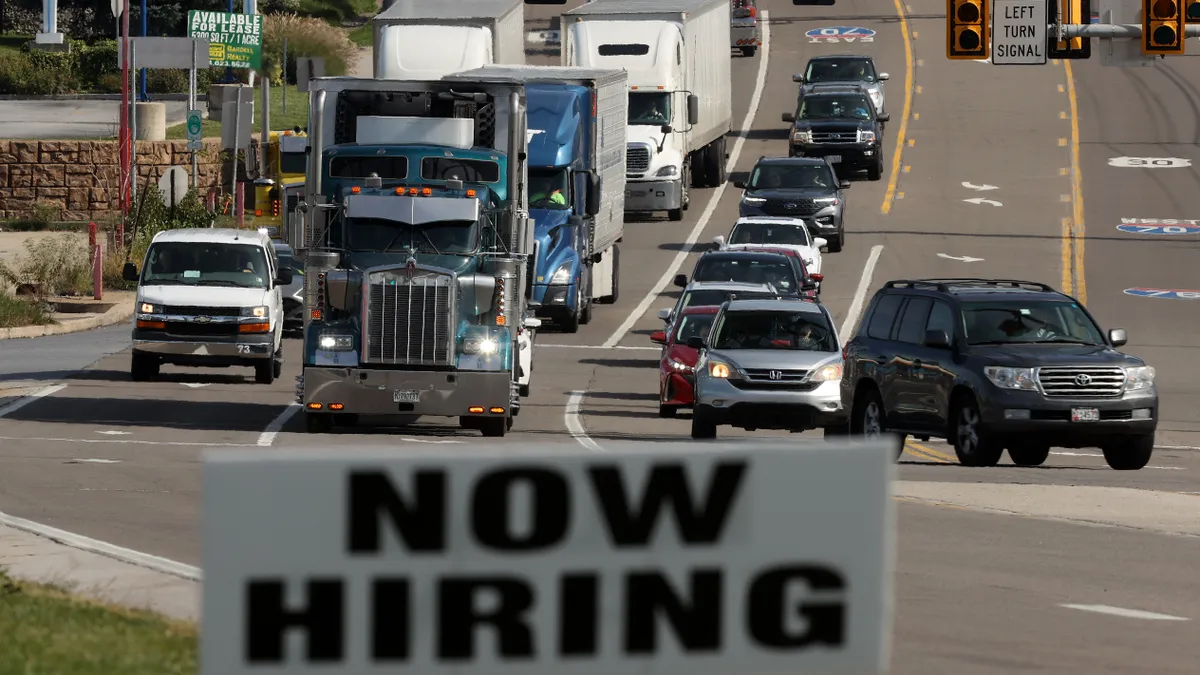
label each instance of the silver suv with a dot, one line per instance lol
(769, 364)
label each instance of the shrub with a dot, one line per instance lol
(54, 266)
(38, 220)
(306, 36)
(87, 68)
(22, 312)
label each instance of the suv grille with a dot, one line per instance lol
(835, 137)
(790, 207)
(1081, 382)
(784, 375)
(637, 159)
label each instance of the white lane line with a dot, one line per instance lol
(267, 437)
(651, 349)
(26, 400)
(94, 461)
(860, 293)
(1127, 613)
(126, 441)
(115, 433)
(1077, 454)
(164, 565)
(1176, 447)
(713, 201)
(575, 425)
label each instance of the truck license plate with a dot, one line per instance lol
(1085, 414)
(406, 396)
(833, 159)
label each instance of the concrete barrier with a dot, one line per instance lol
(151, 120)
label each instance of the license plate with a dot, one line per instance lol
(1085, 414)
(406, 396)
(834, 158)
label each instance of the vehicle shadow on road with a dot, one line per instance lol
(623, 396)
(620, 413)
(622, 363)
(105, 375)
(149, 412)
(698, 247)
(760, 134)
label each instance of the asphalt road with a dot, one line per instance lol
(77, 119)
(977, 592)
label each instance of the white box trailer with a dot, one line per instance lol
(427, 39)
(677, 55)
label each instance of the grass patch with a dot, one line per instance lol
(296, 115)
(363, 36)
(337, 11)
(46, 630)
(13, 43)
(15, 312)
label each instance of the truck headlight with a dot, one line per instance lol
(562, 275)
(829, 373)
(801, 136)
(866, 136)
(336, 343)
(259, 311)
(1011, 378)
(1139, 378)
(147, 308)
(476, 345)
(753, 200)
(668, 172)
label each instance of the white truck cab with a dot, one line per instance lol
(209, 298)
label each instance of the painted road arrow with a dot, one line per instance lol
(981, 200)
(115, 433)
(960, 258)
(971, 186)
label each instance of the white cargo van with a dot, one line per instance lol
(209, 298)
(427, 39)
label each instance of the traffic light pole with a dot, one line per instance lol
(1112, 31)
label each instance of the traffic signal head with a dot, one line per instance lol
(967, 29)
(1191, 13)
(1162, 27)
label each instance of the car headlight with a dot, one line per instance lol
(679, 366)
(147, 308)
(722, 370)
(259, 311)
(866, 136)
(826, 201)
(562, 275)
(752, 200)
(477, 345)
(1011, 378)
(875, 95)
(336, 343)
(801, 136)
(1139, 377)
(829, 373)
(667, 172)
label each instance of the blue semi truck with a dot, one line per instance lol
(576, 134)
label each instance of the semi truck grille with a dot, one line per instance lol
(1081, 382)
(790, 207)
(637, 159)
(411, 323)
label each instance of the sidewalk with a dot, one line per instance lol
(114, 307)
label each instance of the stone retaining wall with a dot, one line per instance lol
(79, 178)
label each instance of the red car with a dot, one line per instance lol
(675, 377)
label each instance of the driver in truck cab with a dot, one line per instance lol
(546, 191)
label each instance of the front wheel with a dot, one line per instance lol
(869, 421)
(1129, 455)
(875, 171)
(494, 427)
(1028, 454)
(972, 443)
(143, 367)
(318, 423)
(703, 427)
(264, 372)
(835, 244)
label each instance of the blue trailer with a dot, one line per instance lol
(576, 129)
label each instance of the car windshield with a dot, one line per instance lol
(293, 162)
(796, 331)
(852, 107)
(378, 234)
(693, 325)
(193, 263)
(776, 271)
(714, 297)
(840, 70)
(791, 177)
(549, 189)
(1029, 322)
(770, 233)
(653, 109)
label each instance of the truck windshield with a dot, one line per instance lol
(653, 109)
(549, 189)
(206, 264)
(380, 235)
(1044, 321)
(293, 162)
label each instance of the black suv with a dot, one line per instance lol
(839, 123)
(995, 364)
(844, 69)
(797, 187)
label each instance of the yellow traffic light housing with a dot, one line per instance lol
(967, 26)
(1162, 27)
(1072, 12)
(1191, 13)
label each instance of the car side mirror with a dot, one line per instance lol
(681, 280)
(883, 76)
(817, 277)
(844, 184)
(696, 342)
(129, 272)
(788, 117)
(693, 109)
(719, 240)
(1118, 337)
(284, 277)
(884, 117)
(659, 337)
(739, 184)
(664, 313)
(937, 339)
(666, 128)
(798, 78)
(820, 242)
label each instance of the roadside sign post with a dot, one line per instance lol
(307, 68)
(761, 557)
(1019, 35)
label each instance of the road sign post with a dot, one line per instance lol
(754, 557)
(1019, 35)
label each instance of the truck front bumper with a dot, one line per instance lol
(556, 300)
(231, 350)
(653, 195)
(364, 391)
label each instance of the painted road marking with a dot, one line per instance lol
(93, 461)
(1169, 293)
(1150, 162)
(115, 433)
(860, 293)
(971, 186)
(713, 200)
(981, 200)
(26, 400)
(126, 441)
(960, 258)
(1127, 613)
(1073, 242)
(651, 349)
(574, 424)
(195, 385)
(1159, 230)
(890, 194)
(268, 435)
(840, 34)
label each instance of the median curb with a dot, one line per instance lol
(116, 314)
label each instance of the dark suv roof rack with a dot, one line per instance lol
(753, 295)
(944, 285)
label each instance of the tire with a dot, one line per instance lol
(1129, 455)
(702, 426)
(667, 412)
(696, 173)
(264, 372)
(749, 51)
(716, 163)
(612, 298)
(318, 423)
(972, 443)
(1028, 454)
(868, 419)
(494, 427)
(875, 172)
(675, 215)
(835, 244)
(277, 366)
(523, 390)
(143, 367)
(570, 322)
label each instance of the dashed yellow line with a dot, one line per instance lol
(1062, 142)
(1066, 255)
(890, 194)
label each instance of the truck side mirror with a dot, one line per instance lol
(788, 117)
(681, 280)
(298, 228)
(666, 129)
(693, 109)
(1118, 337)
(284, 277)
(595, 188)
(129, 272)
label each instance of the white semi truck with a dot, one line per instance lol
(677, 55)
(428, 39)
